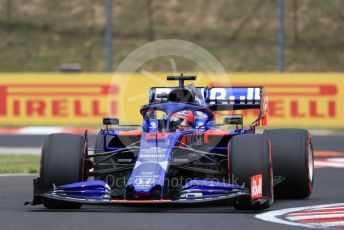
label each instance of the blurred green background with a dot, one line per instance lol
(40, 35)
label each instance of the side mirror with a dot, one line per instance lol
(110, 121)
(234, 120)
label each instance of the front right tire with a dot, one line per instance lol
(250, 155)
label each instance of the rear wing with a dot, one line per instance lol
(238, 98)
(217, 98)
(234, 98)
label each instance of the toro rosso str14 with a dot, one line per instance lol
(179, 155)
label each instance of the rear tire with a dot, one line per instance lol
(292, 154)
(250, 155)
(63, 162)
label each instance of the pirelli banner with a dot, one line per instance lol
(295, 100)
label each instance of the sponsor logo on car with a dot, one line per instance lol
(256, 187)
(194, 139)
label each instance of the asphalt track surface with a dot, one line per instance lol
(14, 190)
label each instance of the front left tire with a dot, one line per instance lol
(293, 161)
(62, 162)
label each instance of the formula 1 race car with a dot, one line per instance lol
(179, 155)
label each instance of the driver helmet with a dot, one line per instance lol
(184, 119)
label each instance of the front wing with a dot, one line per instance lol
(224, 200)
(98, 193)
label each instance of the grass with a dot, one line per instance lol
(19, 163)
(241, 36)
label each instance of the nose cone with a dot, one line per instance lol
(146, 181)
(148, 176)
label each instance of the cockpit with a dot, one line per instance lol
(179, 120)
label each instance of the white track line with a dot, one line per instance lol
(320, 132)
(45, 130)
(20, 150)
(313, 213)
(329, 162)
(40, 130)
(18, 174)
(274, 216)
(332, 215)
